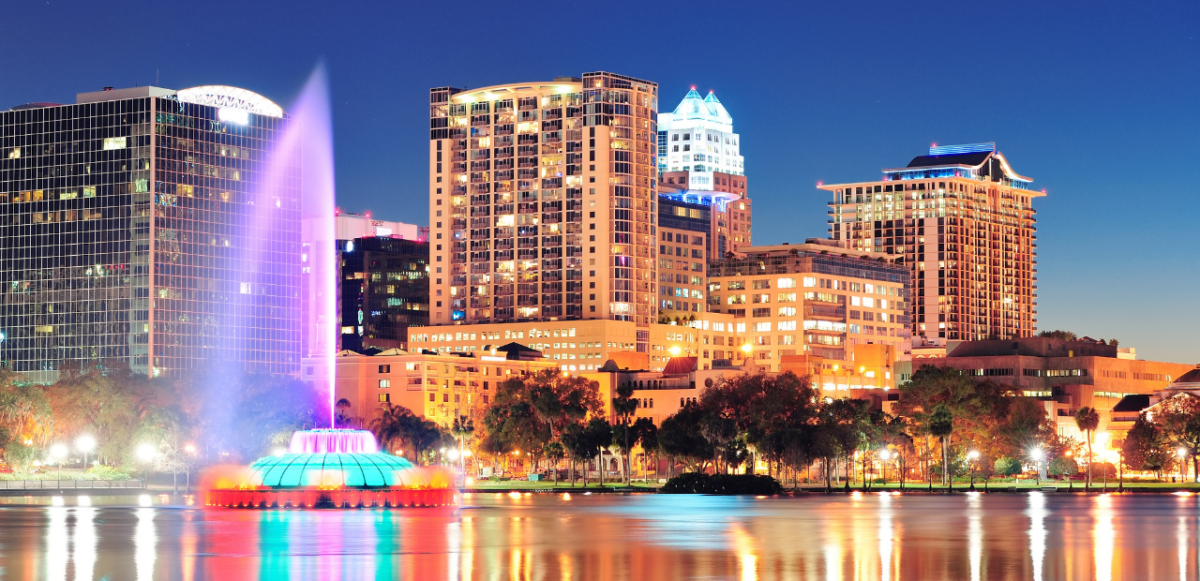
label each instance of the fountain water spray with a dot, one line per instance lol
(326, 467)
(313, 127)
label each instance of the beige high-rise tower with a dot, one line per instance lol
(963, 221)
(543, 201)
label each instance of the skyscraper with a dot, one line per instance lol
(700, 162)
(543, 201)
(963, 221)
(143, 226)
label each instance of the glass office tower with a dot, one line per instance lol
(148, 227)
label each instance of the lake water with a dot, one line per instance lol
(641, 537)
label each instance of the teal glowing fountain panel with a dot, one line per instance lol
(349, 470)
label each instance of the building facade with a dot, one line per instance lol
(1065, 375)
(585, 345)
(542, 201)
(383, 291)
(963, 222)
(349, 225)
(146, 227)
(440, 387)
(696, 142)
(816, 300)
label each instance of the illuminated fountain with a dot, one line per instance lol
(332, 469)
(326, 468)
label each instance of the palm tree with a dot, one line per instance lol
(941, 425)
(554, 452)
(1087, 420)
(462, 428)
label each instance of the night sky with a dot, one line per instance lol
(1097, 102)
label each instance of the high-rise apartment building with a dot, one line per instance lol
(829, 306)
(143, 226)
(543, 201)
(963, 221)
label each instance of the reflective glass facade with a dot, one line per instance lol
(144, 231)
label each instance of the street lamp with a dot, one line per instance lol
(885, 455)
(85, 444)
(1120, 458)
(1037, 454)
(973, 455)
(1181, 452)
(59, 452)
(191, 450)
(145, 454)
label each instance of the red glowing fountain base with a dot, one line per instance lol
(344, 498)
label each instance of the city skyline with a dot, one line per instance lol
(849, 116)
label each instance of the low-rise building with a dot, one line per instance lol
(1066, 375)
(580, 346)
(439, 386)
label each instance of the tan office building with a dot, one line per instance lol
(815, 307)
(963, 222)
(542, 201)
(441, 387)
(585, 345)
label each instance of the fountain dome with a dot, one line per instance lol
(332, 468)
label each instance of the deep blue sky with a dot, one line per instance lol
(1098, 102)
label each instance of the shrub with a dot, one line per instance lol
(1007, 466)
(1099, 468)
(1064, 467)
(699, 483)
(102, 472)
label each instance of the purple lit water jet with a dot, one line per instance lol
(313, 130)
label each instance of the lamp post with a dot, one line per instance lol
(59, 453)
(884, 456)
(1182, 465)
(1120, 470)
(191, 451)
(1037, 455)
(972, 456)
(145, 454)
(85, 444)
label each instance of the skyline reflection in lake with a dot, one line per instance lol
(887, 537)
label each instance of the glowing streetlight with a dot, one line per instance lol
(973, 455)
(191, 450)
(885, 455)
(747, 348)
(1037, 454)
(675, 351)
(1182, 452)
(58, 452)
(85, 444)
(145, 454)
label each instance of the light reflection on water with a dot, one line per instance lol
(649, 537)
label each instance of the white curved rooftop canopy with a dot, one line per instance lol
(230, 98)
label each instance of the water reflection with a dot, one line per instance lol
(651, 537)
(83, 552)
(1105, 537)
(975, 535)
(1037, 532)
(144, 540)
